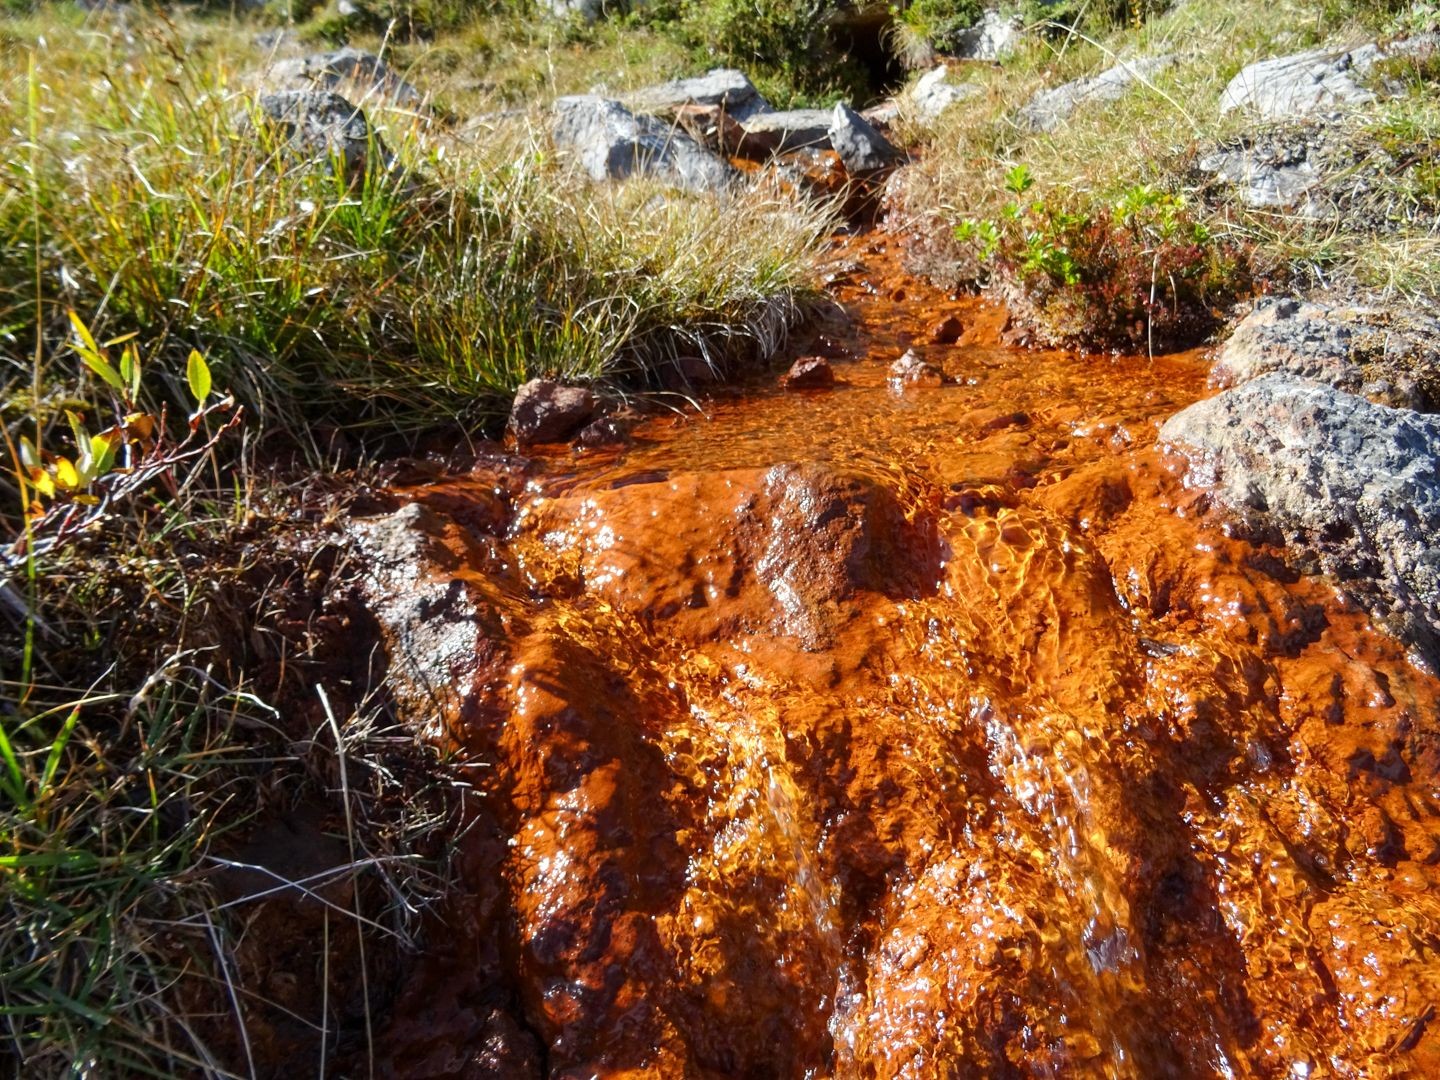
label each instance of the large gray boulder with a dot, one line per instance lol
(1319, 80)
(1382, 356)
(360, 75)
(612, 143)
(725, 88)
(992, 38)
(1357, 483)
(1048, 109)
(320, 127)
(862, 149)
(933, 93)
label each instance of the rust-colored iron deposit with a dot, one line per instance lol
(921, 732)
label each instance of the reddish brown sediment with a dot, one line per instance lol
(859, 733)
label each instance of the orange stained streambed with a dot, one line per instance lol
(854, 733)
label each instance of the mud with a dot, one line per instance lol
(865, 732)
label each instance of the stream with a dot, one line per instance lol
(938, 732)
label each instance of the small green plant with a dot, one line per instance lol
(1140, 270)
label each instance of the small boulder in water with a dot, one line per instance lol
(606, 431)
(947, 331)
(809, 373)
(545, 411)
(910, 371)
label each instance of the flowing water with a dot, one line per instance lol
(923, 734)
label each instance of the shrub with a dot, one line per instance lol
(1142, 271)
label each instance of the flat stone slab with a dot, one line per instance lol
(783, 132)
(1048, 109)
(933, 93)
(1318, 80)
(727, 88)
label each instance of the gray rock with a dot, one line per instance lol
(544, 411)
(862, 149)
(1358, 350)
(1261, 182)
(1357, 482)
(722, 87)
(783, 132)
(435, 634)
(1320, 80)
(586, 10)
(992, 38)
(1048, 109)
(932, 94)
(359, 74)
(612, 143)
(322, 127)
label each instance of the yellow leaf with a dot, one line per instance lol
(66, 478)
(42, 482)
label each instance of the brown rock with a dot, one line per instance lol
(947, 331)
(545, 411)
(809, 373)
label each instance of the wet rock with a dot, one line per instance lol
(933, 93)
(687, 373)
(544, 411)
(782, 551)
(1261, 181)
(360, 75)
(910, 371)
(323, 128)
(992, 38)
(1319, 80)
(1048, 109)
(809, 373)
(946, 332)
(783, 132)
(1357, 481)
(862, 149)
(606, 431)
(725, 88)
(1359, 350)
(611, 143)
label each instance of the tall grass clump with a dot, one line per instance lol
(408, 296)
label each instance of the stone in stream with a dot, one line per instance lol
(933, 93)
(612, 143)
(910, 371)
(1048, 109)
(1356, 482)
(359, 74)
(321, 127)
(809, 373)
(544, 411)
(947, 331)
(862, 149)
(724, 88)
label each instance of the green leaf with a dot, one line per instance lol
(29, 456)
(57, 750)
(102, 454)
(12, 784)
(87, 344)
(130, 370)
(198, 374)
